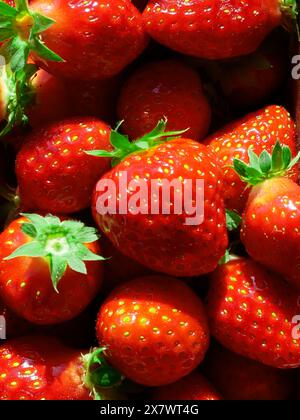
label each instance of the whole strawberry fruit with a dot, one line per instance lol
(87, 39)
(240, 378)
(159, 232)
(260, 131)
(54, 174)
(251, 313)
(192, 387)
(214, 29)
(49, 270)
(154, 330)
(168, 89)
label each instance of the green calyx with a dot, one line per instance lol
(18, 93)
(61, 242)
(289, 9)
(233, 220)
(20, 30)
(99, 374)
(266, 165)
(124, 147)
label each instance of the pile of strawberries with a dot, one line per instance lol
(143, 305)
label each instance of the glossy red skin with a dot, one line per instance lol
(26, 286)
(41, 368)
(155, 330)
(93, 43)
(261, 130)
(251, 312)
(161, 89)
(193, 387)
(240, 379)
(54, 173)
(161, 242)
(270, 228)
(51, 100)
(210, 28)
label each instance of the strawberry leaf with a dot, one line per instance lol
(6, 10)
(43, 51)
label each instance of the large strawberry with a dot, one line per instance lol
(214, 29)
(168, 89)
(157, 230)
(192, 387)
(88, 40)
(42, 368)
(240, 378)
(259, 130)
(54, 174)
(154, 330)
(49, 269)
(270, 227)
(251, 312)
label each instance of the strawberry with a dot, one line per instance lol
(14, 326)
(259, 130)
(270, 227)
(167, 243)
(168, 89)
(103, 44)
(154, 330)
(251, 313)
(192, 387)
(214, 29)
(43, 275)
(239, 378)
(42, 368)
(54, 174)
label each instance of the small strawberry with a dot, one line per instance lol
(154, 330)
(215, 29)
(192, 387)
(163, 240)
(88, 40)
(270, 226)
(239, 378)
(54, 174)
(42, 368)
(161, 89)
(49, 270)
(251, 313)
(259, 130)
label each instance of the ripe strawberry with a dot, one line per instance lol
(103, 44)
(239, 378)
(161, 89)
(42, 368)
(270, 227)
(214, 29)
(43, 276)
(259, 130)
(54, 174)
(154, 330)
(192, 387)
(251, 313)
(167, 243)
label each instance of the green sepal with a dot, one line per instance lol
(233, 220)
(266, 165)
(228, 256)
(289, 9)
(124, 147)
(62, 243)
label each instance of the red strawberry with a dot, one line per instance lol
(270, 227)
(164, 242)
(259, 130)
(54, 173)
(154, 330)
(251, 313)
(239, 378)
(41, 368)
(43, 276)
(192, 387)
(214, 29)
(168, 89)
(93, 43)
